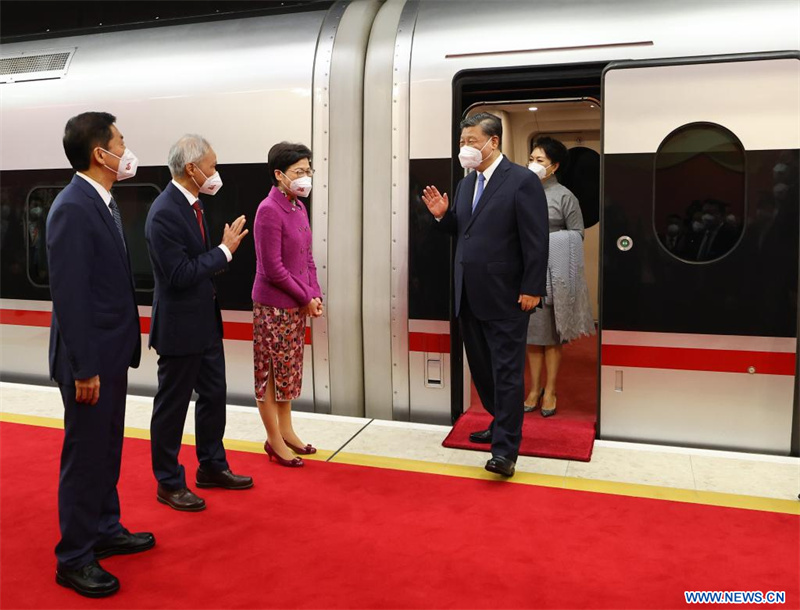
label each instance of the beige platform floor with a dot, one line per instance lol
(652, 470)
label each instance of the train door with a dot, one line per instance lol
(700, 251)
(560, 101)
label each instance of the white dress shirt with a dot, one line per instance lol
(101, 190)
(191, 199)
(487, 175)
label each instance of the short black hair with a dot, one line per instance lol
(83, 134)
(285, 154)
(491, 125)
(554, 149)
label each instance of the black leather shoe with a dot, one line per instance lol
(91, 580)
(501, 465)
(180, 499)
(225, 479)
(124, 544)
(482, 436)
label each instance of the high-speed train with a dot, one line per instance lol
(684, 123)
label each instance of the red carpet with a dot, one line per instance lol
(569, 434)
(339, 536)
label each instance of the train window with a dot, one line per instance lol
(699, 195)
(38, 207)
(134, 201)
(582, 176)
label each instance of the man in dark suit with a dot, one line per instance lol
(94, 338)
(499, 218)
(186, 328)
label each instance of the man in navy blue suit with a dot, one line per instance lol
(186, 329)
(499, 218)
(94, 338)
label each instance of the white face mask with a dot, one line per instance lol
(128, 163)
(300, 187)
(470, 157)
(538, 169)
(211, 185)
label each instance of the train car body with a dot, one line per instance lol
(687, 109)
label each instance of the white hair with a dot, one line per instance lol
(189, 149)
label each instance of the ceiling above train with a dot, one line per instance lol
(24, 20)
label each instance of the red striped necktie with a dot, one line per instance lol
(199, 213)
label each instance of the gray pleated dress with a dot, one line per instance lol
(564, 213)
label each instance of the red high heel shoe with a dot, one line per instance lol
(307, 450)
(293, 463)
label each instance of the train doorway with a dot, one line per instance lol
(563, 104)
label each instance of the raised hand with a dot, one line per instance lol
(436, 202)
(233, 234)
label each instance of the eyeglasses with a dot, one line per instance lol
(301, 172)
(473, 142)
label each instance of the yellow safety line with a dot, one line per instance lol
(634, 490)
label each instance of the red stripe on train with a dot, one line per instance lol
(239, 331)
(675, 358)
(21, 317)
(690, 359)
(429, 342)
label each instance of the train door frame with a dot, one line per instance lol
(542, 82)
(794, 444)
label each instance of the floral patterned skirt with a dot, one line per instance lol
(278, 344)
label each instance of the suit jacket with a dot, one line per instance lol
(501, 248)
(186, 315)
(95, 324)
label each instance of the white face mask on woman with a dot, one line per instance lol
(128, 163)
(470, 157)
(300, 187)
(212, 183)
(538, 169)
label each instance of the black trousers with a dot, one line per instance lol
(177, 377)
(496, 355)
(88, 503)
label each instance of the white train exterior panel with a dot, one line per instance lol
(243, 84)
(644, 105)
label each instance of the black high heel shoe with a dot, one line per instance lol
(549, 412)
(536, 405)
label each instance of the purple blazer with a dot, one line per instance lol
(286, 276)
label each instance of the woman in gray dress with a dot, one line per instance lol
(544, 341)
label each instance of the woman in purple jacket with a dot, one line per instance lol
(284, 293)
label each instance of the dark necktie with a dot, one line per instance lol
(117, 220)
(479, 190)
(199, 213)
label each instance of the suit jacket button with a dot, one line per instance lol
(466, 235)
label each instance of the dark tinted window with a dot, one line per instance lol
(428, 248)
(134, 201)
(582, 176)
(699, 198)
(38, 207)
